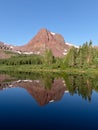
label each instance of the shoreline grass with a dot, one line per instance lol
(40, 68)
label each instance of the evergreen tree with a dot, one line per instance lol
(48, 57)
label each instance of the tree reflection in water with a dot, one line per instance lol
(48, 87)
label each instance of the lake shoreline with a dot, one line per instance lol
(32, 68)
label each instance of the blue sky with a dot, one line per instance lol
(75, 20)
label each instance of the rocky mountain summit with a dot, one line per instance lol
(42, 41)
(45, 39)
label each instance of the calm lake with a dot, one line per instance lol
(48, 101)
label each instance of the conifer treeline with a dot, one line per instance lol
(21, 59)
(82, 57)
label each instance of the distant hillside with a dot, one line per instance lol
(3, 55)
(4, 46)
(6, 51)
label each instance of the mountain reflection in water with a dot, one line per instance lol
(26, 101)
(49, 88)
(37, 89)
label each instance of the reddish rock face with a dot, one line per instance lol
(3, 55)
(46, 40)
(43, 40)
(96, 47)
(37, 89)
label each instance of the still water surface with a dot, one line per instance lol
(48, 102)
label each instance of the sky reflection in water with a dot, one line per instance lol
(32, 105)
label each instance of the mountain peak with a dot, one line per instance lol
(44, 35)
(43, 30)
(44, 40)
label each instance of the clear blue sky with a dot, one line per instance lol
(76, 20)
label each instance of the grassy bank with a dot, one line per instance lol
(43, 68)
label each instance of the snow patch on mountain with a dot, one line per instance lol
(52, 33)
(64, 53)
(71, 45)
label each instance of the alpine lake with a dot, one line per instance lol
(48, 101)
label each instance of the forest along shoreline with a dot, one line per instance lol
(78, 60)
